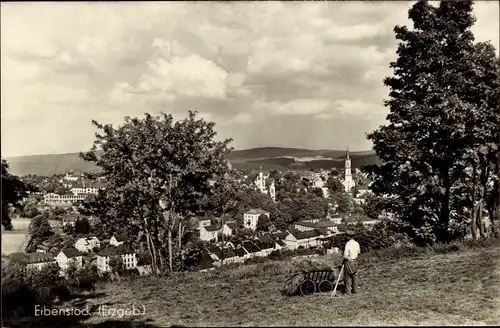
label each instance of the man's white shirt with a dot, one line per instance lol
(352, 250)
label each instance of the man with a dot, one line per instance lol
(351, 253)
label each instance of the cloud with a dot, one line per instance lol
(257, 69)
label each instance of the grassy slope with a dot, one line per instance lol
(456, 288)
(62, 163)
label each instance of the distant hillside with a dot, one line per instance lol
(268, 152)
(268, 157)
(49, 164)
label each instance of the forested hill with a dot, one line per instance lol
(267, 157)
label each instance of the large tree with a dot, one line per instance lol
(443, 89)
(156, 171)
(13, 191)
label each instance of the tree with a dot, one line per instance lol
(334, 185)
(116, 263)
(317, 192)
(443, 88)
(13, 192)
(263, 223)
(30, 211)
(82, 226)
(372, 206)
(164, 169)
(222, 200)
(72, 270)
(344, 201)
(39, 231)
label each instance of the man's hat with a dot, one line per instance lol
(350, 233)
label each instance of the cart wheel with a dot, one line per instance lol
(307, 287)
(325, 286)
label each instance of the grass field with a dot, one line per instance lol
(459, 288)
(15, 241)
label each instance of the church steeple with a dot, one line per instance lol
(348, 180)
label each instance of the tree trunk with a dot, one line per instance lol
(151, 247)
(480, 222)
(180, 235)
(473, 227)
(170, 257)
(444, 217)
(151, 253)
(222, 240)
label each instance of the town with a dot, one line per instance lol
(261, 237)
(176, 164)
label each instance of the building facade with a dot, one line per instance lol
(251, 218)
(348, 180)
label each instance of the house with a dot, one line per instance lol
(128, 256)
(118, 240)
(251, 218)
(205, 222)
(86, 245)
(229, 258)
(227, 245)
(366, 221)
(39, 260)
(229, 228)
(240, 253)
(211, 232)
(252, 249)
(317, 182)
(206, 263)
(214, 251)
(67, 256)
(335, 218)
(266, 243)
(63, 200)
(68, 221)
(326, 192)
(330, 226)
(85, 188)
(279, 245)
(306, 239)
(279, 235)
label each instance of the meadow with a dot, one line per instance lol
(441, 286)
(15, 241)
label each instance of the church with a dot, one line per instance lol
(260, 184)
(348, 180)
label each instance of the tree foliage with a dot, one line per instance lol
(443, 116)
(39, 230)
(155, 159)
(263, 223)
(13, 192)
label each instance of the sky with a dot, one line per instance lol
(298, 74)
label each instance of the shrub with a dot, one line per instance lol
(18, 298)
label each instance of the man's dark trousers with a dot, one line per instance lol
(350, 275)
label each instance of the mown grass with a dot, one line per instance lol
(444, 285)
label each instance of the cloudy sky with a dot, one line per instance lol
(269, 74)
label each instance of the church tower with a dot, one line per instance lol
(272, 191)
(348, 181)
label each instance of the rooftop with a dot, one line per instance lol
(250, 247)
(115, 250)
(256, 211)
(71, 252)
(121, 237)
(40, 257)
(320, 224)
(305, 234)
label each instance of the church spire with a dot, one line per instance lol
(347, 153)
